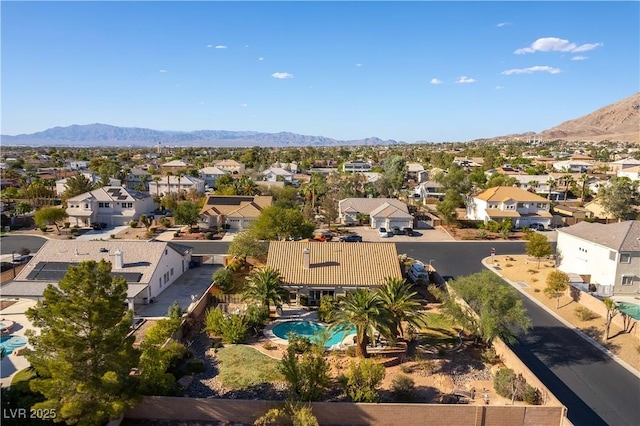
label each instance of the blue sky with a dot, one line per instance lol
(410, 71)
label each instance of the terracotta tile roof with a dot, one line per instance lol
(620, 236)
(335, 264)
(502, 193)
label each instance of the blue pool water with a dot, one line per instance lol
(9, 343)
(310, 330)
(630, 309)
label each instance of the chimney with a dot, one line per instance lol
(305, 258)
(119, 259)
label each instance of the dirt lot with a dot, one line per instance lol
(522, 269)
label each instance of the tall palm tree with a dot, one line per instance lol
(398, 300)
(169, 174)
(265, 286)
(568, 181)
(583, 179)
(364, 310)
(551, 183)
(156, 179)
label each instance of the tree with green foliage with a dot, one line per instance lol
(538, 246)
(23, 208)
(82, 354)
(398, 300)
(395, 170)
(231, 328)
(619, 197)
(246, 244)
(316, 188)
(612, 311)
(557, 283)
(265, 286)
(223, 279)
(330, 209)
(277, 223)
(292, 413)
(146, 221)
(363, 379)
(492, 308)
(76, 185)
(365, 310)
(186, 213)
(307, 374)
(50, 216)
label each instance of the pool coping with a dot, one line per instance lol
(269, 334)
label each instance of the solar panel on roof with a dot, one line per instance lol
(55, 271)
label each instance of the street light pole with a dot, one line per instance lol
(13, 262)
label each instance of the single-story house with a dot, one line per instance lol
(149, 267)
(332, 268)
(379, 212)
(236, 211)
(607, 255)
(275, 174)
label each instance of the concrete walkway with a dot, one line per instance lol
(11, 364)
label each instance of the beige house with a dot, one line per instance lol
(507, 202)
(320, 269)
(235, 211)
(176, 184)
(113, 205)
(380, 212)
(231, 166)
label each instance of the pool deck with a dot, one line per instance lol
(12, 363)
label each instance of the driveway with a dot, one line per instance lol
(186, 289)
(103, 234)
(426, 235)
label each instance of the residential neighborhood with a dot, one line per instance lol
(329, 229)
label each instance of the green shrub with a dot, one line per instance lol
(362, 380)
(584, 313)
(234, 329)
(256, 316)
(304, 300)
(299, 344)
(213, 321)
(133, 224)
(403, 388)
(327, 306)
(406, 369)
(489, 356)
(511, 385)
(195, 366)
(223, 278)
(531, 396)
(208, 236)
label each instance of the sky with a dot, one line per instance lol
(407, 71)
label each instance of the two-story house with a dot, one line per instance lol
(573, 166)
(232, 166)
(211, 174)
(138, 179)
(356, 166)
(507, 202)
(113, 205)
(173, 184)
(605, 255)
(174, 166)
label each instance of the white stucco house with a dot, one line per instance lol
(632, 173)
(275, 174)
(176, 184)
(524, 208)
(357, 166)
(211, 174)
(113, 205)
(605, 255)
(148, 267)
(573, 166)
(379, 212)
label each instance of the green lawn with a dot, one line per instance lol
(440, 332)
(241, 367)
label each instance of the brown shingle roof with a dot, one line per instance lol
(620, 236)
(335, 264)
(501, 193)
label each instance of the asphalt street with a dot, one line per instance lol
(594, 388)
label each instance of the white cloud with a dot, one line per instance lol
(554, 44)
(531, 70)
(162, 71)
(221, 46)
(464, 79)
(209, 45)
(579, 58)
(435, 81)
(503, 24)
(358, 65)
(499, 87)
(244, 105)
(281, 75)
(261, 58)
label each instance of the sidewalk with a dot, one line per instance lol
(486, 262)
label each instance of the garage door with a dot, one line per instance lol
(401, 224)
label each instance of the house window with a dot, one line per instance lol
(541, 206)
(612, 255)
(625, 257)
(171, 271)
(86, 206)
(627, 280)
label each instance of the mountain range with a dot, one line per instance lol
(617, 122)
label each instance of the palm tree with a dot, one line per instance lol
(583, 179)
(551, 183)
(169, 174)
(265, 286)
(398, 300)
(156, 179)
(364, 310)
(568, 181)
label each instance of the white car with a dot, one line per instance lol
(383, 233)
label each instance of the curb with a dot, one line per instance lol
(565, 322)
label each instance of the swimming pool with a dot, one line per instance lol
(10, 343)
(310, 330)
(630, 309)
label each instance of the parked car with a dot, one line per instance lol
(98, 226)
(351, 238)
(537, 227)
(383, 233)
(397, 231)
(324, 237)
(25, 258)
(417, 273)
(408, 231)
